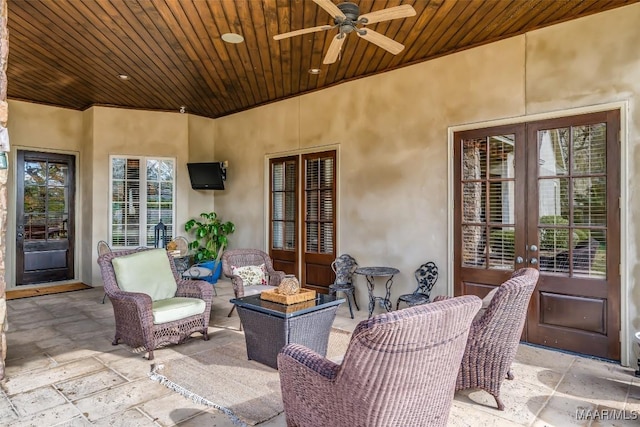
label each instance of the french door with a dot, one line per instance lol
(545, 194)
(44, 217)
(302, 217)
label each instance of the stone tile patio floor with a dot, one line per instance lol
(61, 370)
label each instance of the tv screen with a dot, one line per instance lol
(206, 176)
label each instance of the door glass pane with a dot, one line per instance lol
(277, 210)
(589, 149)
(312, 237)
(473, 246)
(501, 246)
(473, 194)
(277, 235)
(553, 152)
(277, 177)
(572, 211)
(589, 201)
(290, 235)
(474, 158)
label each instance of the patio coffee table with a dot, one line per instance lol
(269, 326)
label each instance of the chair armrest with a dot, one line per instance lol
(195, 289)
(308, 358)
(238, 285)
(275, 277)
(441, 298)
(135, 306)
(137, 298)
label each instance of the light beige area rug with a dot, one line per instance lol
(222, 378)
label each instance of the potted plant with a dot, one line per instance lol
(210, 239)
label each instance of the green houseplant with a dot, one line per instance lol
(210, 239)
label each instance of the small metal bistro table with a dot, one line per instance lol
(269, 326)
(371, 273)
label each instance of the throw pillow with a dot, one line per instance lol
(251, 274)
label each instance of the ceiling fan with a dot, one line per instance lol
(347, 18)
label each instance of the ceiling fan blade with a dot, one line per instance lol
(331, 8)
(334, 49)
(404, 11)
(383, 41)
(302, 31)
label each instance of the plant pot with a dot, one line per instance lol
(216, 267)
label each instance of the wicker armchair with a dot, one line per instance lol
(139, 314)
(399, 370)
(245, 257)
(494, 337)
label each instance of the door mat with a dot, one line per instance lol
(45, 290)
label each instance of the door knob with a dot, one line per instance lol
(20, 235)
(533, 248)
(533, 261)
(519, 260)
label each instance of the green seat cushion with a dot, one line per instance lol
(170, 309)
(148, 272)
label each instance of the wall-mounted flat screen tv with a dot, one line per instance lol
(207, 176)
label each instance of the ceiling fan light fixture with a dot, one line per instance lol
(346, 18)
(232, 38)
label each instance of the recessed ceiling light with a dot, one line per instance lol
(232, 38)
(123, 77)
(314, 71)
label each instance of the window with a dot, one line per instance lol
(133, 217)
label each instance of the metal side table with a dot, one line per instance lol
(371, 273)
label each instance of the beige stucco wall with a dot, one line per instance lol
(391, 134)
(391, 131)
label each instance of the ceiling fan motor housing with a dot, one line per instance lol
(350, 10)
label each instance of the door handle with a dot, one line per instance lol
(533, 261)
(519, 260)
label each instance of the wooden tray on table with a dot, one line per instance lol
(275, 296)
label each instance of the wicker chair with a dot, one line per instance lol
(399, 370)
(344, 266)
(426, 276)
(135, 311)
(103, 248)
(245, 257)
(494, 337)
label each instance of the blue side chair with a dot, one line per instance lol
(426, 276)
(344, 267)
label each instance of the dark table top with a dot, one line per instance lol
(377, 271)
(253, 302)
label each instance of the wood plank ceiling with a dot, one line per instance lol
(69, 53)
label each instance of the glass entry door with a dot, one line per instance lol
(545, 195)
(44, 217)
